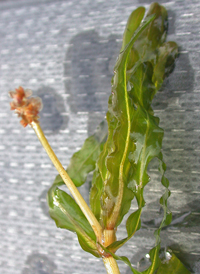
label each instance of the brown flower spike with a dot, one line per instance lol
(26, 108)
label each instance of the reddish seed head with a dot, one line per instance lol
(26, 108)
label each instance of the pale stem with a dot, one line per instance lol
(111, 265)
(109, 262)
(74, 191)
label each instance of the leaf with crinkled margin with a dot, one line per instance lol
(133, 224)
(141, 78)
(84, 160)
(143, 81)
(172, 265)
(167, 217)
(99, 175)
(164, 63)
(147, 137)
(110, 180)
(150, 49)
(154, 35)
(67, 214)
(133, 23)
(151, 46)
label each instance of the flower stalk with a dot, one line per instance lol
(109, 262)
(28, 109)
(73, 189)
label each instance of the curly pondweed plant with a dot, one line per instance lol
(120, 151)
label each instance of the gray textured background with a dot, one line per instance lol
(65, 51)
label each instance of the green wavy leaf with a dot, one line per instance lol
(133, 23)
(68, 215)
(135, 83)
(164, 63)
(154, 35)
(84, 160)
(167, 217)
(172, 265)
(168, 264)
(110, 179)
(135, 137)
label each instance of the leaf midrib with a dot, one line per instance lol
(117, 205)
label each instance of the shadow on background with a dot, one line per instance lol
(39, 264)
(51, 117)
(88, 71)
